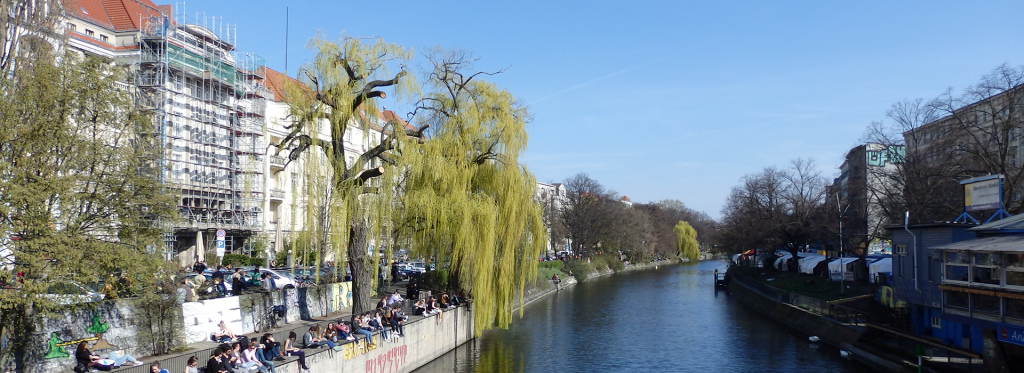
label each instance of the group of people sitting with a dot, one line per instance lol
(436, 306)
(244, 356)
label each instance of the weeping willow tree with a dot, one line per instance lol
(686, 240)
(335, 111)
(467, 199)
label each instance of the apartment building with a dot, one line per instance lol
(218, 111)
(864, 181)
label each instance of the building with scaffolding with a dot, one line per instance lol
(208, 102)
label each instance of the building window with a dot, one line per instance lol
(936, 323)
(985, 269)
(956, 299)
(90, 32)
(1013, 308)
(104, 38)
(957, 266)
(900, 250)
(1014, 269)
(72, 27)
(985, 303)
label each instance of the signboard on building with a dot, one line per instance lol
(983, 193)
(1010, 333)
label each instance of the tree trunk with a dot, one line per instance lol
(362, 268)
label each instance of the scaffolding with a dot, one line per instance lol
(207, 103)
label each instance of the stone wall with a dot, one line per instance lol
(425, 340)
(110, 324)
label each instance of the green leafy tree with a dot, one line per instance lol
(339, 95)
(686, 240)
(78, 200)
(467, 200)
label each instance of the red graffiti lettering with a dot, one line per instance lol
(389, 361)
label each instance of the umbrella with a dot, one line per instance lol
(200, 250)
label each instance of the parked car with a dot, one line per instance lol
(70, 292)
(418, 266)
(282, 280)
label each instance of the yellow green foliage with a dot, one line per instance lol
(470, 201)
(686, 240)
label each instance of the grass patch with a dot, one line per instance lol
(809, 285)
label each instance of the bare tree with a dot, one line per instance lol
(584, 212)
(776, 208)
(985, 123)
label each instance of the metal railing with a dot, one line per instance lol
(824, 308)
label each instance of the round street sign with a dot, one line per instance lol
(220, 233)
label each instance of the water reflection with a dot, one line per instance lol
(670, 319)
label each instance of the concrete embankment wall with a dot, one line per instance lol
(830, 331)
(425, 340)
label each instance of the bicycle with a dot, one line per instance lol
(269, 319)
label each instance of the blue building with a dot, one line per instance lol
(967, 289)
(917, 275)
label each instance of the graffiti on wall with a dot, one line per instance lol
(389, 361)
(55, 346)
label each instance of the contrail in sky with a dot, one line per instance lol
(584, 84)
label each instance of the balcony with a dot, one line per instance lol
(277, 194)
(277, 161)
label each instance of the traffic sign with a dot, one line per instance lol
(221, 234)
(220, 247)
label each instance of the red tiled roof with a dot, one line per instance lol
(276, 81)
(389, 115)
(117, 15)
(626, 199)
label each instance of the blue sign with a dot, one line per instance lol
(1010, 333)
(220, 244)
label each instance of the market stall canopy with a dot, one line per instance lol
(807, 264)
(881, 266)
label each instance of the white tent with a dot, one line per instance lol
(881, 266)
(841, 269)
(808, 263)
(780, 263)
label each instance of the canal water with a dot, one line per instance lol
(668, 319)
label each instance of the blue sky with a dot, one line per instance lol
(675, 99)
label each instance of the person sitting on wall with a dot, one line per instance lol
(330, 333)
(214, 364)
(271, 348)
(311, 339)
(262, 355)
(344, 332)
(290, 349)
(88, 361)
(192, 366)
(225, 359)
(420, 309)
(395, 298)
(155, 368)
(224, 335)
(394, 318)
(248, 360)
(383, 302)
(357, 328)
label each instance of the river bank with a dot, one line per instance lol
(845, 335)
(532, 295)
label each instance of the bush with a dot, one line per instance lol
(599, 262)
(579, 268)
(552, 264)
(544, 277)
(240, 260)
(437, 280)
